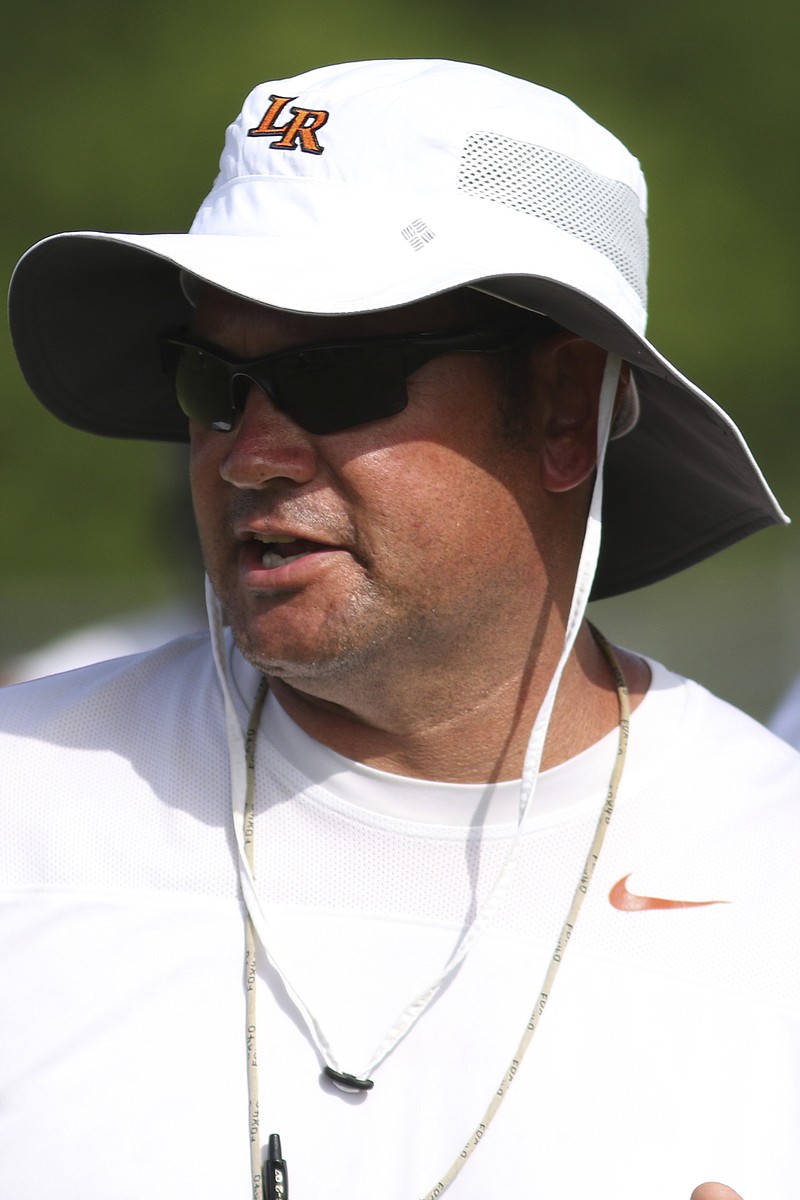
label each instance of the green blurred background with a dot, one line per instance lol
(113, 118)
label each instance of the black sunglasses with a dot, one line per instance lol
(326, 386)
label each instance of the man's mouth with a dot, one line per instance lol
(280, 549)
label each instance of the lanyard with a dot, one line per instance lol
(567, 929)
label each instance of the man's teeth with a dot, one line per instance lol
(270, 558)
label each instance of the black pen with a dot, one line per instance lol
(274, 1173)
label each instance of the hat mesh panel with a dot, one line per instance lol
(599, 211)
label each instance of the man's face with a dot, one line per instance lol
(401, 545)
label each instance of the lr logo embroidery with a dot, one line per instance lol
(300, 130)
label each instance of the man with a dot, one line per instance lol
(395, 885)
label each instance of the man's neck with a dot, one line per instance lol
(482, 734)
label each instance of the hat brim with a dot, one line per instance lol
(87, 309)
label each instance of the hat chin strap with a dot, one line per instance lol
(584, 579)
(242, 798)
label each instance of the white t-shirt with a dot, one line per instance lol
(669, 1050)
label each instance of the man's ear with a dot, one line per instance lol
(567, 374)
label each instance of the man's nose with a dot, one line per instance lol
(266, 444)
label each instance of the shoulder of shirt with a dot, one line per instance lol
(722, 727)
(181, 661)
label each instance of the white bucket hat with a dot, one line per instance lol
(368, 185)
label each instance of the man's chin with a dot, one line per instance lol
(336, 671)
(295, 660)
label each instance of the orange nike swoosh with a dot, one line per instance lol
(627, 901)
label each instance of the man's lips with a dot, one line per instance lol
(276, 552)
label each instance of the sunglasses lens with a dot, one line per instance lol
(203, 390)
(328, 388)
(324, 389)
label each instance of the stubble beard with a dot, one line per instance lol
(360, 640)
(368, 651)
